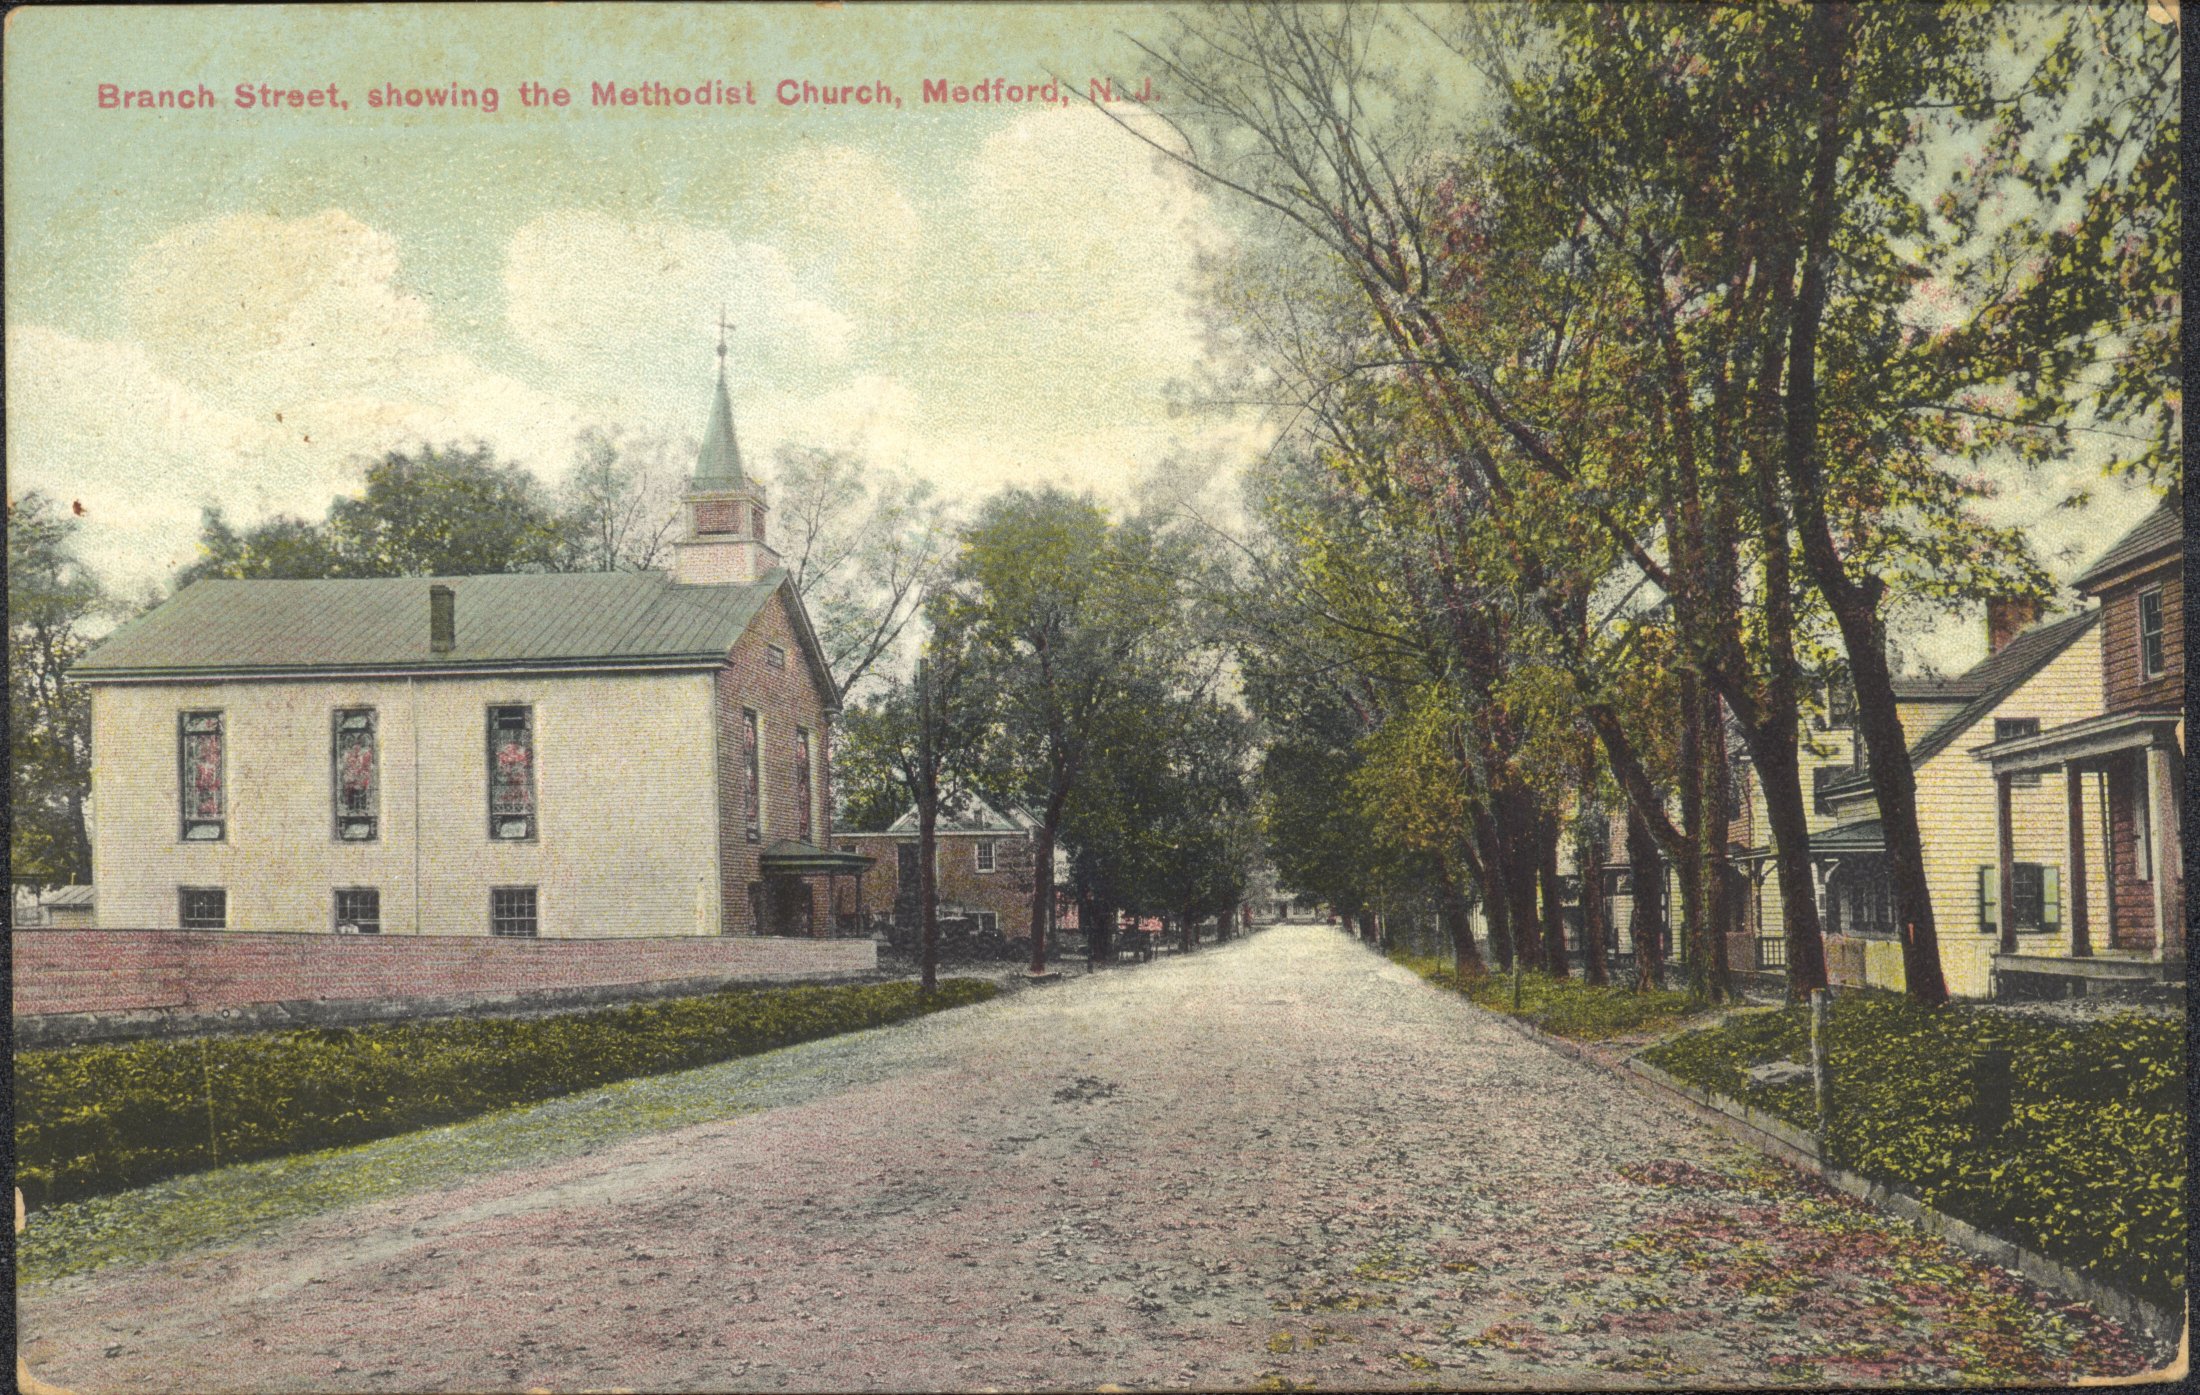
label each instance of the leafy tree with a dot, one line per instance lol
(921, 742)
(52, 601)
(439, 511)
(1072, 608)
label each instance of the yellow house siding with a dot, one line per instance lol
(626, 819)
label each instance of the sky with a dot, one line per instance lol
(240, 307)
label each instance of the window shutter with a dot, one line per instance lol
(1989, 894)
(2050, 898)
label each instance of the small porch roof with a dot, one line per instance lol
(790, 857)
(1849, 839)
(2081, 741)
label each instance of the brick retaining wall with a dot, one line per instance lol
(75, 972)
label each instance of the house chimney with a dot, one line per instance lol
(2006, 618)
(442, 619)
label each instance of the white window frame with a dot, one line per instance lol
(2151, 671)
(984, 858)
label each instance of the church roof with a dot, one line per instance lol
(718, 463)
(520, 620)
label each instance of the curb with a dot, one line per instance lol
(1782, 1140)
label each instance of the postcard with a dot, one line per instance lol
(1095, 697)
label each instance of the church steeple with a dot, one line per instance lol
(725, 508)
(718, 463)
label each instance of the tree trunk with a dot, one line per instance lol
(1457, 919)
(1518, 843)
(1647, 922)
(1779, 772)
(1594, 968)
(1554, 912)
(928, 892)
(1495, 895)
(1718, 887)
(1042, 894)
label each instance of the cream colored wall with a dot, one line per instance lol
(626, 819)
(1955, 811)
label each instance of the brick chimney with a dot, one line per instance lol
(442, 619)
(2006, 618)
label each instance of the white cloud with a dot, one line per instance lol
(600, 297)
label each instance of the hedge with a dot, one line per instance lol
(1565, 1007)
(104, 1118)
(2090, 1169)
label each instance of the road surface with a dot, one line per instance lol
(1274, 1163)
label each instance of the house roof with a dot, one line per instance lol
(224, 628)
(69, 896)
(1996, 677)
(1855, 836)
(793, 857)
(1933, 688)
(2160, 534)
(977, 817)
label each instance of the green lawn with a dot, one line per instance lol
(2090, 1169)
(1564, 1007)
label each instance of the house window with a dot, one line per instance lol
(2150, 633)
(756, 907)
(752, 776)
(358, 910)
(2036, 889)
(199, 763)
(805, 810)
(2010, 729)
(357, 791)
(775, 655)
(512, 773)
(202, 908)
(1840, 704)
(512, 912)
(988, 923)
(985, 854)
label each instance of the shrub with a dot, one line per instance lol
(1564, 1007)
(103, 1118)
(2090, 1169)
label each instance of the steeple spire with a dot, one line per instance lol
(718, 463)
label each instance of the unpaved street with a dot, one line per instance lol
(1278, 1161)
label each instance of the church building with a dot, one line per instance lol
(527, 754)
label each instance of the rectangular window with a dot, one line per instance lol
(512, 912)
(202, 908)
(985, 854)
(2036, 890)
(2010, 729)
(716, 516)
(357, 778)
(805, 805)
(752, 778)
(358, 910)
(512, 773)
(2150, 633)
(199, 757)
(775, 656)
(756, 522)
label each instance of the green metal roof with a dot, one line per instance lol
(517, 620)
(718, 463)
(792, 857)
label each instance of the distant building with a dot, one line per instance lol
(522, 755)
(984, 862)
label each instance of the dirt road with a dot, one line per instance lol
(1283, 1160)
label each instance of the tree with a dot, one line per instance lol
(863, 544)
(925, 737)
(620, 503)
(52, 601)
(1071, 607)
(439, 511)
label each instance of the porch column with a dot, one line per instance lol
(2005, 909)
(2081, 938)
(2169, 857)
